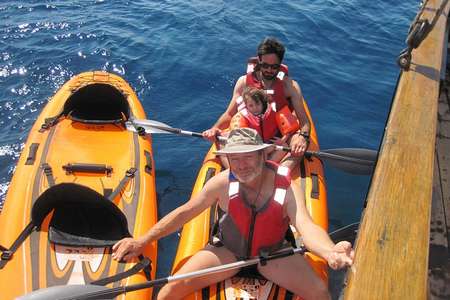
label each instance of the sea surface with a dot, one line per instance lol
(183, 58)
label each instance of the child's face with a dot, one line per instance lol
(254, 107)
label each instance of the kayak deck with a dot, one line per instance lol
(80, 138)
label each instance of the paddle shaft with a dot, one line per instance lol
(162, 281)
(149, 124)
(140, 124)
(222, 268)
(60, 292)
(351, 160)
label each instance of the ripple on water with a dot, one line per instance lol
(183, 58)
(3, 189)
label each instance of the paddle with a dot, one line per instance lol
(90, 291)
(352, 160)
(86, 292)
(345, 233)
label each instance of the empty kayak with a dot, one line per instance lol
(81, 183)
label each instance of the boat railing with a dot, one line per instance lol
(392, 247)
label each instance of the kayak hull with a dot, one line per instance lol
(62, 149)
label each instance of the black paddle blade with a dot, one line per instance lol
(346, 233)
(351, 160)
(356, 153)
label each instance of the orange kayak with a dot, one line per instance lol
(81, 183)
(309, 180)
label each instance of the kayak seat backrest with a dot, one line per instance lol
(97, 103)
(81, 216)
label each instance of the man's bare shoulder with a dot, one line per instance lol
(288, 81)
(219, 182)
(240, 83)
(291, 85)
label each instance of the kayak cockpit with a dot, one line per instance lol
(97, 103)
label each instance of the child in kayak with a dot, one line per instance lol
(284, 91)
(255, 110)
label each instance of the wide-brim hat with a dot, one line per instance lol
(243, 140)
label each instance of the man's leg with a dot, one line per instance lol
(210, 256)
(294, 274)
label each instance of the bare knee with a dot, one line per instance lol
(168, 292)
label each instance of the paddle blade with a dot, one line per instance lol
(346, 233)
(66, 292)
(356, 153)
(356, 161)
(150, 126)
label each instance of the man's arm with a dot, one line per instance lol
(315, 238)
(128, 248)
(224, 120)
(293, 91)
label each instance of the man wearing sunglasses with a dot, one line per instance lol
(282, 90)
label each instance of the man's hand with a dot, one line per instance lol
(280, 141)
(127, 249)
(298, 145)
(341, 255)
(211, 133)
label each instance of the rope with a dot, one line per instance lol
(418, 31)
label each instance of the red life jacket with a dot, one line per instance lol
(248, 232)
(280, 106)
(270, 123)
(276, 94)
(265, 124)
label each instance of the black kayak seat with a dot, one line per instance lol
(81, 216)
(97, 103)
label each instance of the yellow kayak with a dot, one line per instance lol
(309, 180)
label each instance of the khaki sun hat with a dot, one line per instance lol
(242, 140)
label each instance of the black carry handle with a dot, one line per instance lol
(87, 168)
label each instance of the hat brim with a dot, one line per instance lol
(241, 149)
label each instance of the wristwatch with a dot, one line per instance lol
(304, 134)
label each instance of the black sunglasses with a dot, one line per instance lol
(272, 66)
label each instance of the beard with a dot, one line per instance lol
(269, 76)
(252, 173)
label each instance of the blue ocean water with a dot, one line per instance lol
(183, 57)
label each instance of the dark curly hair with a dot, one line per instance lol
(258, 95)
(271, 45)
